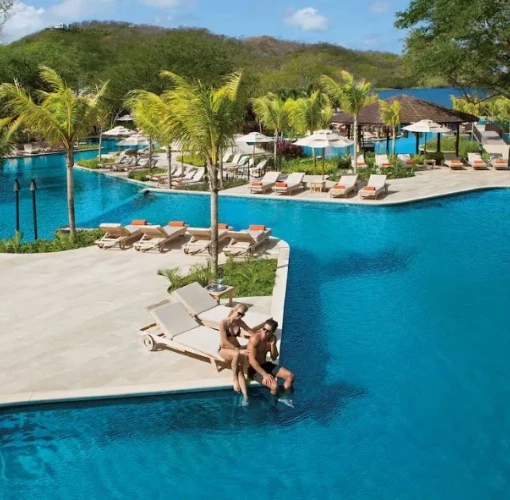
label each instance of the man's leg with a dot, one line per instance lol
(286, 375)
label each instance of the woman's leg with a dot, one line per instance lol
(233, 356)
(242, 383)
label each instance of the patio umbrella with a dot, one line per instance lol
(321, 140)
(119, 131)
(255, 138)
(426, 126)
(125, 118)
(137, 139)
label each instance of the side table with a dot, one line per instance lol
(228, 293)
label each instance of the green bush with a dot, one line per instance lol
(61, 242)
(143, 175)
(250, 278)
(448, 144)
(93, 164)
(204, 186)
(306, 165)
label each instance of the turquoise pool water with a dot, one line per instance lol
(396, 325)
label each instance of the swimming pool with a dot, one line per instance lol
(396, 326)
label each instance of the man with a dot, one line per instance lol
(261, 370)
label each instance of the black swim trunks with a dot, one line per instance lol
(268, 367)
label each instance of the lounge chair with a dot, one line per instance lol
(476, 161)
(204, 308)
(265, 184)
(406, 161)
(123, 164)
(293, 182)
(360, 162)
(143, 165)
(247, 241)
(382, 161)
(376, 186)
(173, 327)
(454, 164)
(258, 169)
(193, 178)
(201, 239)
(117, 235)
(158, 236)
(346, 185)
(499, 163)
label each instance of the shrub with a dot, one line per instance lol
(250, 278)
(288, 150)
(448, 144)
(61, 242)
(332, 166)
(195, 160)
(204, 186)
(143, 175)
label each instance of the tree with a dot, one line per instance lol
(151, 112)
(273, 112)
(60, 115)
(390, 116)
(5, 9)
(308, 114)
(204, 119)
(353, 97)
(465, 42)
(6, 141)
(103, 119)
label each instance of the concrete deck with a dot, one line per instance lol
(69, 325)
(424, 185)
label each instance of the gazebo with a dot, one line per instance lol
(412, 110)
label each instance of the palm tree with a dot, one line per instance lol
(353, 97)
(390, 116)
(204, 120)
(61, 115)
(6, 142)
(471, 105)
(104, 114)
(151, 113)
(308, 114)
(273, 112)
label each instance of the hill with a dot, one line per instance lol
(132, 56)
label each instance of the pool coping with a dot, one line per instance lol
(31, 398)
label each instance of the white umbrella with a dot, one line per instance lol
(118, 132)
(125, 118)
(321, 140)
(255, 138)
(425, 126)
(137, 139)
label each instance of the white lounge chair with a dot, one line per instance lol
(360, 162)
(193, 178)
(258, 169)
(158, 236)
(265, 184)
(247, 241)
(121, 166)
(117, 235)
(454, 164)
(406, 161)
(293, 182)
(346, 185)
(376, 186)
(201, 239)
(476, 161)
(203, 307)
(173, 327)
(382, 161)
(499, 163)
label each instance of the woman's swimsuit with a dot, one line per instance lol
(232, 331)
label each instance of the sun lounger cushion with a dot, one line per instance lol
(281, 184)
(176, 223)
(139, 222)
(369, 188)
(222, 226)
(338, 186)
(256, 227)
(385, 164)
(173, 319)
(256, 184)
(195, 298)
(360, 163)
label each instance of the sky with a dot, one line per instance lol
(355, 24)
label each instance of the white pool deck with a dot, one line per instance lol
(69, 325)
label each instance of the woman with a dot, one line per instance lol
(231, 350)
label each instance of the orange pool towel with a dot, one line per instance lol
(257, 227)
(338, 186)
(139, 222)
(369, 188)
(281, 184)
(222, 226)
(256, 183)
(176, 223)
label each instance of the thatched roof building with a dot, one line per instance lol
(412, 110)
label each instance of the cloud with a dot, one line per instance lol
(379, 7)
(26, 19)
(308, 19)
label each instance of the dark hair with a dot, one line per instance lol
(272, 323)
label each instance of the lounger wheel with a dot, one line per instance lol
(149, 342)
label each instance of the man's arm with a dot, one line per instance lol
(274, 349)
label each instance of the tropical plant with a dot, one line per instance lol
(390, 116)
(309, 114)
(204, 120)
(6, 141)
(273, 112)
(103, 119)
(353, 96)
(61, 115)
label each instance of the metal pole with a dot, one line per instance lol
(33, 188)
(17, 189)
(417, 143)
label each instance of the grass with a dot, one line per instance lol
(195, 160)
(93, 164)
(306, 165)
(250, 278)
(143, 175)
(204, 186)
(60, 243)
(448, 144)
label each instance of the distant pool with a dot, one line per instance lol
(396, 325)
